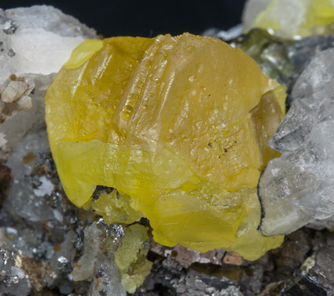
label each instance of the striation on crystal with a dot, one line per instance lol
(292, 19)
(179, 126)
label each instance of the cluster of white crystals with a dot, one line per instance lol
(34, 44)
(285, 16)
(298, 187)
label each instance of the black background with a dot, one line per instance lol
(146, 18)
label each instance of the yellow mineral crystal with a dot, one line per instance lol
(178, 126)
(131, 257)
(293, 18)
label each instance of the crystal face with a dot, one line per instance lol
(297, 188)
(290, 19)
(178, 126)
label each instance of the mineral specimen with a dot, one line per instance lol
(178, 127)
(50, 247)
(297, 188)
(290, 19)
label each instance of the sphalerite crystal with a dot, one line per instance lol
(175, 129)
(290, 18)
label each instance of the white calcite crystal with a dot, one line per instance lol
(15, 95)
(298, 187)
(38, 40)
(35, 43)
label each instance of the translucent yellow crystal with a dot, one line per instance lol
(179, 126)
(131, 257)
(115, 207)
(297, 18)
(83, 53)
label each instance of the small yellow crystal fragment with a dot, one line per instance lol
(297, 18)
(83, 53)
(115, 207)
(131, 257)
(179, 126)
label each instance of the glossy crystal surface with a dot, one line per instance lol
(179, 126)
(297, 188)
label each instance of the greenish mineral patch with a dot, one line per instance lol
(131, 257)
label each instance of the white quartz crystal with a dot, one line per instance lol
(14, 91)
(298, 187)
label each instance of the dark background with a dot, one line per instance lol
(146, 18)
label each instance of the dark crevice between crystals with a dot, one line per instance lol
(5, 181)
(102, 189)
(305, 287)
(263, 212)
(163, 290)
